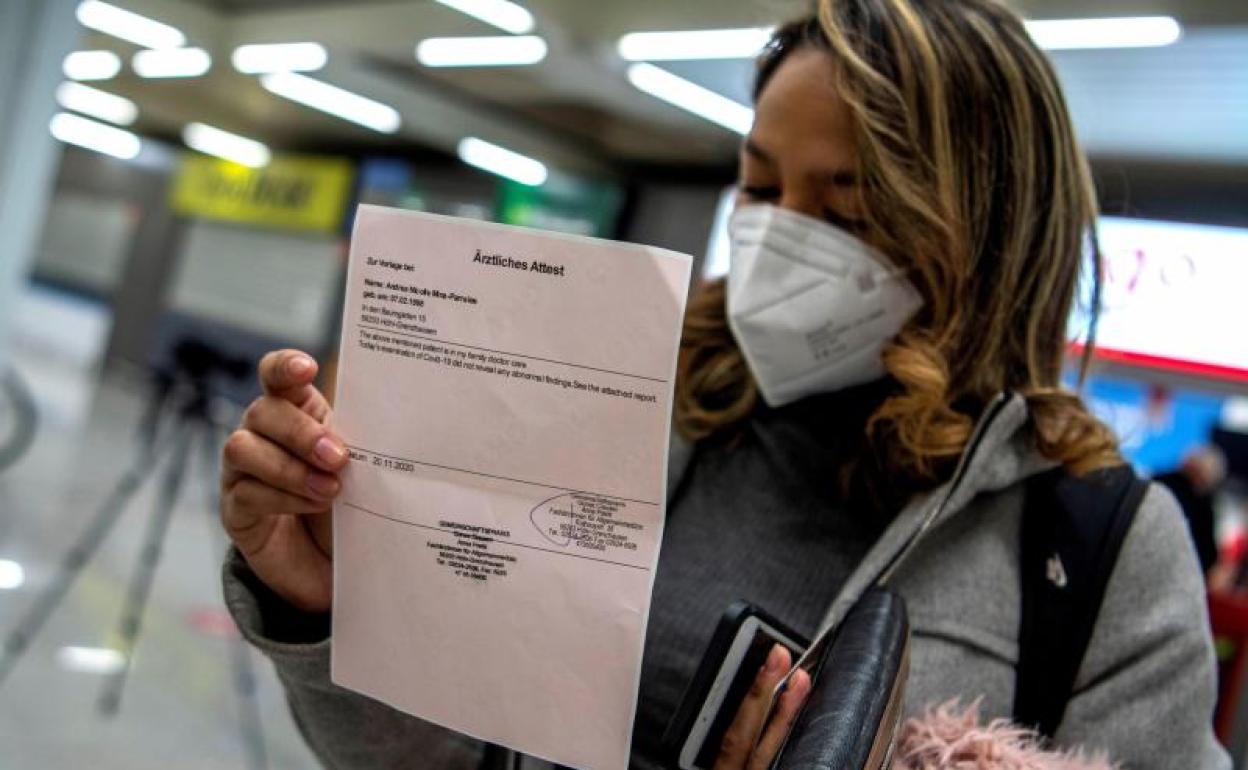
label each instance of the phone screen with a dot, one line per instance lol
(745, 658)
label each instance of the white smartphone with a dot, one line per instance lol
(736, 653)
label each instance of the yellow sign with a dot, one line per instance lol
(298, 193)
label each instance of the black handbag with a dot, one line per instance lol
(851, 718)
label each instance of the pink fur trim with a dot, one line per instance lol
(949, 737)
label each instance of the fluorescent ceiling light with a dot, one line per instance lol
(96, 103)
(213, 141)
(90, 660)
(1127, 32)
(100, 137)
(12, 575)
(91, 65)
(129, 26)
(699, 44)
(279, 57)
(503, 14)
(692, 97)
(334, 100)
(172, 63)
(501, 161)
(481, 51)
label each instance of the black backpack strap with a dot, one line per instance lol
(1072, 531)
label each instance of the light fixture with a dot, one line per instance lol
(481, 51)
(12, 576)
(80, 131)
(91, 65)
(334, 100)
(172, 63)
(213, 141)
(692, 97)
(502, 161)
(279, 57)
(96, 103)
(697, 44)
(91, 660)
(129, 26)
(1126, 32)
(503, 14)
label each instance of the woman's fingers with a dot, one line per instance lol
(787, 710)
(269, 528)
(250, 502)
(743, 733)
(282, 370)
(278, 480)
(289, 374)
(248, 454)
(292, 429)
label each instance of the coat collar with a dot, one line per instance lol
(999, 455)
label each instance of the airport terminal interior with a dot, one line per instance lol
(179, 180)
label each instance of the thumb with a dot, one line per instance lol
(287, 374)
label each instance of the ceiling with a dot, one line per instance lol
(577, 111)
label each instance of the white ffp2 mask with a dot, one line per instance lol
(810, 305)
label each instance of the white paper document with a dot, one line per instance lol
(506, 396)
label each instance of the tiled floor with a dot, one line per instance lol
(179, 708)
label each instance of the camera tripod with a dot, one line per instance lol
(177, 424)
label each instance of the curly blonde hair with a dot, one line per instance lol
(972, 178)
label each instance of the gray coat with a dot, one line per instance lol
(1145, 693)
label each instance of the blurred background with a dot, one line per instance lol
(177, 182)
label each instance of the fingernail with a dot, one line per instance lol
(800, 684)
(803, 684)
(329, 450)
(326, 486)
(299, 365)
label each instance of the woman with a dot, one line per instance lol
(925, 136)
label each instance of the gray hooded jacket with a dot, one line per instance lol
(1145, 693)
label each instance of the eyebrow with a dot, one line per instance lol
(838, 177)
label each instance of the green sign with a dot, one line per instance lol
(576, 207)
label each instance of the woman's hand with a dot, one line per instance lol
(279, 480)
(743, 748)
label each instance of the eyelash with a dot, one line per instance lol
(761, 193)
(857, 226)
(773, 193)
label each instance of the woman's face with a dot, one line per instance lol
(800, 154)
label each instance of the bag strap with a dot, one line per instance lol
(1072, 531)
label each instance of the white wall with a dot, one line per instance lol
(274, 284)
(86, 241)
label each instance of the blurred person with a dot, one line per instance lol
(932, 137)
(1195, 484)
